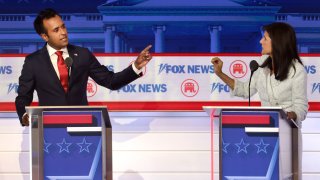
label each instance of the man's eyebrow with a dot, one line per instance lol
(55, 28)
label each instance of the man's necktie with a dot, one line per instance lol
(63, 71)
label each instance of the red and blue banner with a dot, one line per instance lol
(169, 81)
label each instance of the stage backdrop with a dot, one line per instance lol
(168, 78)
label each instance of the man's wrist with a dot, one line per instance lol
(25, 114)
(136, 70)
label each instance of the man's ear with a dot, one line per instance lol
(45, 37)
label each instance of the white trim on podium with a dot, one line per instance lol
(83, 129)
(261, 130)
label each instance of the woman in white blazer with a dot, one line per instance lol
(281, 80)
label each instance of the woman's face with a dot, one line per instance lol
(266, 44)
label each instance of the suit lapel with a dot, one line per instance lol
(49, 66)
(74, 55)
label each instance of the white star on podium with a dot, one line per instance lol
(84, 146)
(64, 146)
(242, 146)
(262, 146)
(225, 145)
(46, 146)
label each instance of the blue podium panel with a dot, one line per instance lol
(70, 142)
(249, 145)
(68, 153)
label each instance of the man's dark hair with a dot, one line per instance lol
(44, 14)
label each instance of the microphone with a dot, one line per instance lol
(69, 62)
(253, 67)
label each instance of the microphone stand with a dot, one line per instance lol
(253, 67)
(249, 86)
(69, 72)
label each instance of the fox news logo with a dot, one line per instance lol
(219, 87)
(13, 87)
(315, 87)
(5, 69)
(310, 69)
(143, 88)
(185, 69)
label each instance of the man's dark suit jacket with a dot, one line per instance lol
(38, 74)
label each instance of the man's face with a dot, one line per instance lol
(57, 35)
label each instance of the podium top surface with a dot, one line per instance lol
(217, 109)
(244, 107)
(66, 107)
(35, 109)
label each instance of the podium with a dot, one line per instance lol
(253, 143)
(70, 142)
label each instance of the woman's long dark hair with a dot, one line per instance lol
(284, 49)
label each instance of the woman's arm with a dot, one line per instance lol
(299, 93)
(217, 64)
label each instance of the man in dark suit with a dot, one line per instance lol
(46, 72)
